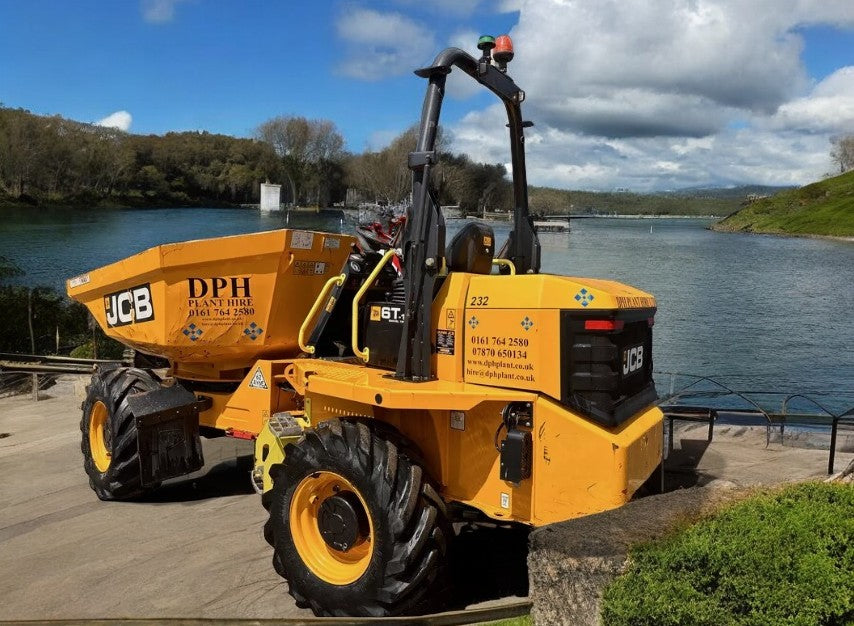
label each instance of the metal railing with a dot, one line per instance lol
(694, 403)
(33, 372)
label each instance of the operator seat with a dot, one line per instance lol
(471, 249)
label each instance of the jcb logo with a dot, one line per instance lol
(632, 359)
(130, 306)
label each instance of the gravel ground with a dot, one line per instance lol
(194, 549)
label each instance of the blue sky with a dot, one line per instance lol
(222, 66)
(623, 93)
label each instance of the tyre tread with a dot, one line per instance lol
(411, 513)
(122, 480)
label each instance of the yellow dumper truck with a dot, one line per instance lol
(391, 388)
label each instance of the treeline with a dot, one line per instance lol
(320, 172)
(384, 177)
(53, 161)
(49, 160)
(547, 200)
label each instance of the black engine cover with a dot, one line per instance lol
(383, 333)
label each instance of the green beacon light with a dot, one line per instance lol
(486, 43)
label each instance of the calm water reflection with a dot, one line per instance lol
(761, 312)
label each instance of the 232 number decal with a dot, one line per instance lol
(479, 301)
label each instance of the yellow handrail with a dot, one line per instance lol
(363, 354)
(335, 281)
(506, 263)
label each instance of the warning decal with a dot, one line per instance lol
(302, 240)
(444, 341)
(451, 319)
(309, 268)
(83, 279)
(258, 381)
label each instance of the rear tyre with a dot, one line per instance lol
(356, 526)
(109, 442)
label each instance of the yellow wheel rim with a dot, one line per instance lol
(98, 417)
(333, 566)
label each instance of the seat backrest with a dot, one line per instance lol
(471, 249)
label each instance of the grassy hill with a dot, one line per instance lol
(822, 208)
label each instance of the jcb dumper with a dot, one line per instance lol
(391, 388)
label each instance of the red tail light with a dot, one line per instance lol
(604, 324)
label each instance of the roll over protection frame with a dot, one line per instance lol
(424, 236)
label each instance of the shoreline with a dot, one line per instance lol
(622, 216)
(302, 209)
(843, 238)
(641, 216)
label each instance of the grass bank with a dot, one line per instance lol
(825, 208)
(781, 557)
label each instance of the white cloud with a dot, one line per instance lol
(828, 109)
(652, 95)
(158, 11)
(574, 160)
(459, 8)
(509, 6)
(120, 119)
(382, 44)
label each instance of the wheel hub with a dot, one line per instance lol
(100, 436)
(331, 527)
(342, 521)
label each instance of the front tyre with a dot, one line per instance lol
(109, 442)
(357, 528)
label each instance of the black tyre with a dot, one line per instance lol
(356, 526)
(109, 442)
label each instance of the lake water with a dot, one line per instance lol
(757, 312)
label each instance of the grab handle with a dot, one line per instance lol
(335, 281)
(363, 354)
(506, 263)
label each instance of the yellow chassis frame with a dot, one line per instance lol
(578, 467)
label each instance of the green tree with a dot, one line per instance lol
(22, 146)
(310, 151)
(384, 175)
(476, 187)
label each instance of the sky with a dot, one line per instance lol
(624, 94)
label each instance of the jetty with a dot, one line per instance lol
(552, 226)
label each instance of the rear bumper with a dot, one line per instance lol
(581, 468)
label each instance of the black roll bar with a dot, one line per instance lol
(424, 235)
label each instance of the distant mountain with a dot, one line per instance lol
(822, 208)
(742, 191)
(548, 200)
